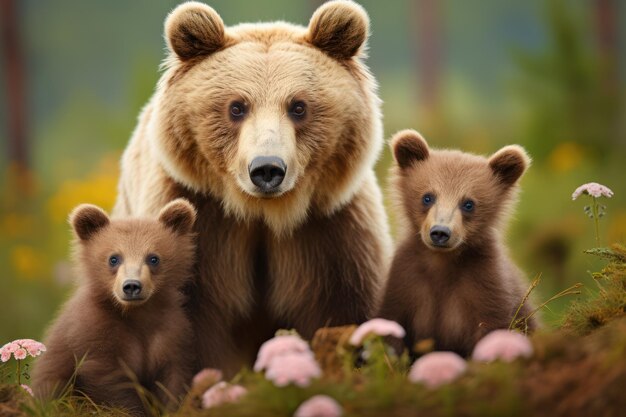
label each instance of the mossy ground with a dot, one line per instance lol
(578, 370)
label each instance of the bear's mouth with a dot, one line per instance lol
(133, 299)
(269, 194)
(440, 247)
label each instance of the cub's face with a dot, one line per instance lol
(451, 198)
(269, 117)
(132, 260)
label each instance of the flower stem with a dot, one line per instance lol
(595, 220)
(515, 321)
(19, 372)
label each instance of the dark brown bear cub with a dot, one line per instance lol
(451, 279)
(126, 316)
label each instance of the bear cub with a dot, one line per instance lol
(126, 319)
(451, 279)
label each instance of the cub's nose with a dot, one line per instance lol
(131, 288)
(267, 172)
(439, 235)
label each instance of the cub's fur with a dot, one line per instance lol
(451, 278)
(126, 316)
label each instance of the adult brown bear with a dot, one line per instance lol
(271, 130)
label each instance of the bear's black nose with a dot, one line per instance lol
(131, 288)
(267, 172)
(439, 235)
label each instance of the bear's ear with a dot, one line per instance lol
(194, 29)
(509, 163)
(408, 147)
(339, 28)
(178, 215)
(87, 220)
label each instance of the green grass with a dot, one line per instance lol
(608, 301)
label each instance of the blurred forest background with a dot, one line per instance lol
(549, 75)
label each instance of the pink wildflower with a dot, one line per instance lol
(279, 346)
(20, 354)
(205, 375)
(33, 347)
(28, 389)
(593, 189)
(222, 393)
(504, 345)
(319, 406)
(295, 367)
(11, 347)
(20, 348)
(437, 368)
(379, 327)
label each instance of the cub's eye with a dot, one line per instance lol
(297, 110)
(237, 110)
(153, 260)
(428, 199)
(114, 260)
(468, 205)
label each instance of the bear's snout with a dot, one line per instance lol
(267, 172)
(132, 289)
(440, 235)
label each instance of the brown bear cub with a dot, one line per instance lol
(126, 319)
(451, 279)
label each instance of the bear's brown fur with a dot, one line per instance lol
(314, 250)
(115, 330)
(451, 278)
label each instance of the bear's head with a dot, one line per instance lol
(454, 199)
(131, 261)
(272, 119)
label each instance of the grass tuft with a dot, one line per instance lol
(609, 301)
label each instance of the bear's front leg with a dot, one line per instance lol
(107, 381)
(174, 382)
(53, 371)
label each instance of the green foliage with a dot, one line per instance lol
(566, 89)
(609, 302)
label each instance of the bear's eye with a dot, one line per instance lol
(297, 110)
(237, 110)
(153, 260)
(468, 205)
(428, 199)
(114, 260)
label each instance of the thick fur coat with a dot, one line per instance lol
(313, 251)
(451, 278)
(119, 341)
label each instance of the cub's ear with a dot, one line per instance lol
(339, 28)
(87, 220)
(409, 147)
(194, 29)
(178, 215)
(509, 163)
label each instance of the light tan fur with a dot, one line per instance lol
(327, 214)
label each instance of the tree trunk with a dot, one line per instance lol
(606, 15)
(427, 41)
(17, 144)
